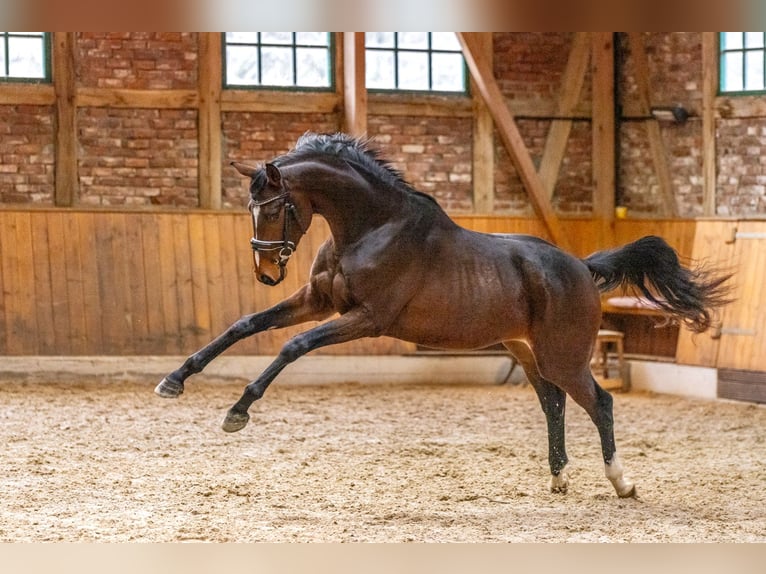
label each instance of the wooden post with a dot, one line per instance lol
(482, 73)
(210, 87)
(603, 127)
(354, 89)
(65, 154)
(483, 141)
(709, 91)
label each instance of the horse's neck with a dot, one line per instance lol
(352, 206)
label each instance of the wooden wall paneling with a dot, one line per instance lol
(229, 281)
(169, 284)
(5, 316)
(46, 340)
(743, 328)
(65, 136)
(245, 278)
(58, 234)
(78, 329)
(482, 73)
(187, 326)
(18, 282)
(135, 281)
(91, 290)
(151, 279)
(709, 245)
(203, 331)
(216, 291)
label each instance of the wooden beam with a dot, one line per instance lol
(210, 87)
(571, 87)
(709, 91)
(279, 101)
(14, 93)
(482, 73)
(483, 169)
(654, 135)
(129, 98)
(355, 90)
(603, 127)
(64, 86)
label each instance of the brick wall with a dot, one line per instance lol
(137, 60)
(433, 154)
(741, 167)
(254, 138)
(149, 157)
(138, 157)
(675, 70)
(26, 154)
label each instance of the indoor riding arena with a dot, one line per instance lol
(349, 216)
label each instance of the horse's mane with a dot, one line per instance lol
(356, 151)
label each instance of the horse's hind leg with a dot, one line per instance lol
(553, 401)
(598, 404)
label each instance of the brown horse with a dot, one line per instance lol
(397, 265)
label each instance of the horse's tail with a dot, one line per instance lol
(650, 266)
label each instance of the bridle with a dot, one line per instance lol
(284, 247)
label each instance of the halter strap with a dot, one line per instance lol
(285, 246)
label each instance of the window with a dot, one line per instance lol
(24, 56)
(416, 61)
(742, 62)
(278, 60)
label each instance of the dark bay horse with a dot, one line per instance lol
(397, 265)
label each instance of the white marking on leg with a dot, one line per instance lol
(614, 473)
(560, 481)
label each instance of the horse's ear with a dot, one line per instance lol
(274, 175)
(245, 170)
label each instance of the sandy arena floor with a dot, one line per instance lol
(110, 461)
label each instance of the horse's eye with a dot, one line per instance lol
(271, 217)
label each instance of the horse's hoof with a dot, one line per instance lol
(168, 389)
(560, 482)
(235, 421)
(628, 492)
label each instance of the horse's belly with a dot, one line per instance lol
(438, 324)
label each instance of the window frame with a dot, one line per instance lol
(331, 55)
(47, 77)
(429, 51)
(743, 50)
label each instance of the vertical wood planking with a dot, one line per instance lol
(709, 244)
(169, 280)
(216, 297)
(199, 279)
(151, 275)
(5, 316)
(133, 251)
(78, 334)
(57, 224)
(742, 342)
(19, 284)
(46, 340)
(92, 299)
(184, 284)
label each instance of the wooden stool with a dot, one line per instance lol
(600, 361)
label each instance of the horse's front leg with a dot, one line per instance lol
(353, 325)
(298, 308)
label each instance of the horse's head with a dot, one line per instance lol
(280, 219)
